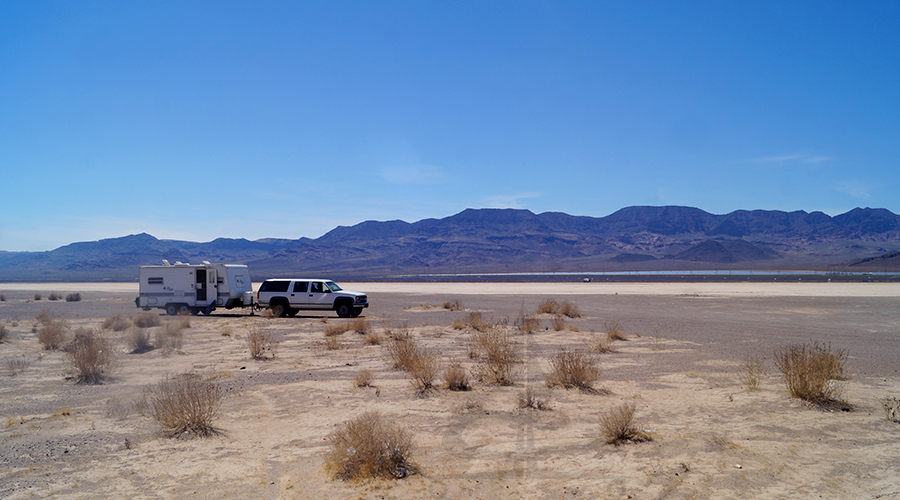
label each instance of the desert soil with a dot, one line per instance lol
(681, 366)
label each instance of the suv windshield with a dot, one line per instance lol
(333, 286)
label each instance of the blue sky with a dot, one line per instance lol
(194, 120)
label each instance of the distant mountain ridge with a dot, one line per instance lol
(512, 240)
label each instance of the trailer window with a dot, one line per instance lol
(154, 281)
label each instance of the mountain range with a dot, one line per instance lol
(511, 240)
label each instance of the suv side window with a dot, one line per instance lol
(274, 286)
(300, 286)
(317, 287)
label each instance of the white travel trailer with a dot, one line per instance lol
(194, 288)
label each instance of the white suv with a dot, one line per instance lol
(288, 296)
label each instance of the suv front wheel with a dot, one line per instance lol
(344, 310)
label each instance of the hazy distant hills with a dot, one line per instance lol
(508, 240)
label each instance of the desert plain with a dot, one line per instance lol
(682, 366)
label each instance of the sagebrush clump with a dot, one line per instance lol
(617, 426)
(54, 335)
(146, 319)
(497, 353)
(91, 355)
(116, 323)
(369, 446)
(185, 405)
(810, 372)
(262, 344)
(573, 369)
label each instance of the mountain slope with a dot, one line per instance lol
(509, 240)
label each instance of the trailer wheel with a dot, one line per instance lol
(184, 309)
(171, 309)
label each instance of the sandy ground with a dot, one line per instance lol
(681, 367)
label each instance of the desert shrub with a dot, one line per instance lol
(43, 318)
(453, 305)
(530, 324)
(2, 298)
(17, 365)
(476, 322)
(547, 306)
(615, 332)
(372, 338)
(617, 426)
(91, 356)
(4, 333)
(369, 446)
(456, 377)
(497, 352)
(137, 340)
(891, 407)
(117, 323)
(752, 373)
(54, 335)
(338, 329)
(146, 319)
(73, 297)
(361, 326)
(363, 378)
(262, 343)
(529, 399)
(184, 320)
(333, 343)
(573, 369)
(185, 405)
(421, 365)
(170, 336)
(458, 324)
(54, 296)
(601, 343)
(809, 372)
(569, 310)
(37, 296)
(559, 324)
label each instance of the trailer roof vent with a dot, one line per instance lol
(166, 263)
(206, 263)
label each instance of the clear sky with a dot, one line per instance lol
(194, 120)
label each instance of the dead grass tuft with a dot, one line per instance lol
(146, 319)
(530, 399)
(421, 365)
(333, 343)
(615, 332)
(54, 296)
(361, 326)
(54, 335)
(4, 333)
(617, 426)
(43, 318)
(372, 338)
(476, 322)
(752, 373)
(137, 340)
(453, 305)
(457, 378)
(601, 343)
(17, 365)
(185, 405)
(530, 324)
(369, 446)
(559, 324)
(363, 378)
(496, 352)
(338, 329)
(91, 356)
(891, 407)
(170, 336)
(262, 344)
(573, 369)
(810, 372)
(116, 323)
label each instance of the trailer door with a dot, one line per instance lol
(201, 285)
(212, 290)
